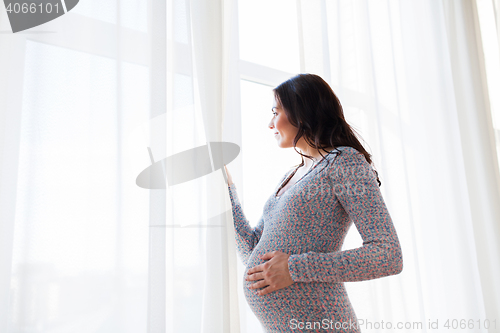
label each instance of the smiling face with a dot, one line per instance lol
(282, 129)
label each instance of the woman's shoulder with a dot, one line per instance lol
(347, 160)
(344, 153)
(347, 150)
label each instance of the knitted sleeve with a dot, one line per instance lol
(246, 236)
(353, 181)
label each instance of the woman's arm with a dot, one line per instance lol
(354, 183)
(246, 236)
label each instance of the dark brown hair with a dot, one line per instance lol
(311, 105)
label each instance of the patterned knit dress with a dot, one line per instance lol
(309, 221)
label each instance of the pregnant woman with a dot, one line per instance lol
(295, 269)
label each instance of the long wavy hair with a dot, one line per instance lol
(311, 105)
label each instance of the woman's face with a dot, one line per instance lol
(283, 131)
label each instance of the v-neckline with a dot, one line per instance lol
(276, 196)
(290, 176)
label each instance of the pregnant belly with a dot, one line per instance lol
(251, 296)
(301, 300)
(297, 292)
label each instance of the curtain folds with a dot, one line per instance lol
(204, 69)
(478, 142)
(213, 45)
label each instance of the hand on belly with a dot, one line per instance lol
(273, 274)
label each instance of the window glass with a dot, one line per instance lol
(264, 162)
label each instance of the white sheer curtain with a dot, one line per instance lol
(88, 101)
(489, 24)
(73, 223)
(202, 53)
(91, 99)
